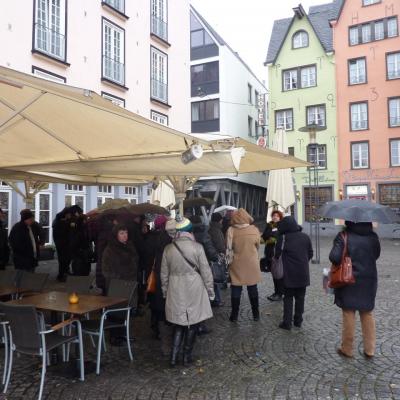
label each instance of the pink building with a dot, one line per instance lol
(367, 57)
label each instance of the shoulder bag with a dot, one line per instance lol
(277, 263)
(152, 281)
(342, 275)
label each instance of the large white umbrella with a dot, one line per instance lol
(163, 195)
(280, 191)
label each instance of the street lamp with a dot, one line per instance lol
(313, 182)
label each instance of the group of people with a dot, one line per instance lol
(180, 254)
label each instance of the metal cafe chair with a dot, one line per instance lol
(8, 277)
(32, 282)
(28, 335)
(113, 317)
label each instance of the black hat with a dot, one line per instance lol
(26, 214)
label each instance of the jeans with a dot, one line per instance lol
(299, 295)
(217, 291)
(236, 291)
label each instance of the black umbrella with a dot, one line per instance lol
(358, 211)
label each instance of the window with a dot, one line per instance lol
(370, 2)
(159, 75)
(357, 71)
(74, 188)
(159, 25)
(379, 30)
(104, 193)
(359, 116)
(315, 198)
(113, 53)
(393, 65)
(105, 189)
(392, 27)
(5, 202)
(41, 73)
(75, 199)
(130, 190)
(159, 118)
(256, 94)
(284, 119)
(372, 31)
(256, 128)
(119, 5)
(300, 39)
(394, 112)
(395, 153)
(49, 29)
(389, 195)
(199, 37)
(43, 214)
(360, 155)
(316, 115)
(205, 116)
(250, 126)
(301, 77)
(118, 101)
(291, 151)
(290, 79)
(205, 79)
(249, 94)
(316, 154)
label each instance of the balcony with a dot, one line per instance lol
(113, 70)
(49, 42)
(159, 90)
(159, 28)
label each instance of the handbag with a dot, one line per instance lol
(342, 275)
(277, 264)
(152, 281)
(218, 269)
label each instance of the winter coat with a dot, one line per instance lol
(61, 232)
(296, 255)
(270, 236)
(245, 267)
(202, 236)
(364, 249)
(186, 290)
(21, 244)
(119, 261)
(217, 236)
(4, 249)
(156, 241)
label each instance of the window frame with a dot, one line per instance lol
(120, 12)
(205, 101)
(111, 97)
(161, 53)
(250, 132)
(51, 74)
(206, 85)
(164, 21)
(350, 119)
(318, 146)
(349, 72)
(250, 94)
(153, 112)
(351, 154)
(284, 110)
(387, 64)
(300, 31)
(299, 77)
(388, 110)
(316, 105)
(371, 4)
(390, 152)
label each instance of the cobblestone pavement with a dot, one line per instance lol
(250, 360)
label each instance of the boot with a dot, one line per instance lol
(254, 308)
(166, 336)
(235, 301)
(176, 344)
(190, 338)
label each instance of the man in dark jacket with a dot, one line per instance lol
(364, 249)
(23, 243)
(61, 237)
(4, 249)
(296, 250)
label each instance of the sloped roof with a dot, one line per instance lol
(318, 16)
(222, 42)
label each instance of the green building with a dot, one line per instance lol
(301, 71)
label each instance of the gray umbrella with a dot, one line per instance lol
(358, 211)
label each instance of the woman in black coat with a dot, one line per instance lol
(364, 249)
(296, 250)
(270, 237)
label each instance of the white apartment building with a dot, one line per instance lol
(224, 100)
(133, 53)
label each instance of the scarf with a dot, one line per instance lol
(229, 241)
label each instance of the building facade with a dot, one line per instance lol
(367, 52)
(132, 53)
(226, 98)
(301, 71)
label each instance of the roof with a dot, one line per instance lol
(318, 16)
(222, 42)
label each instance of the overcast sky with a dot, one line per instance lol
(246, 24)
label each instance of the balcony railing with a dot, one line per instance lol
(113, 70)
(49, 41)
(159, 27)
(159, 90)
(119, 5)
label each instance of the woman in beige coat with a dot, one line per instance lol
(188, 286)
(243, 241)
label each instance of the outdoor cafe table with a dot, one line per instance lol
(10, 290)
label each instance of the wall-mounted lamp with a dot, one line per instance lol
(194, 152)
(340, 194)
(298, 195)
(373, 194)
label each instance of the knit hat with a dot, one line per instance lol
(184, 225)
(160, 221)
(26, 214)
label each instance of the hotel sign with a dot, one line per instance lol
(261, 109)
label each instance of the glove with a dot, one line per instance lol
(212, 298)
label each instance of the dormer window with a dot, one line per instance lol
(300, 39)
